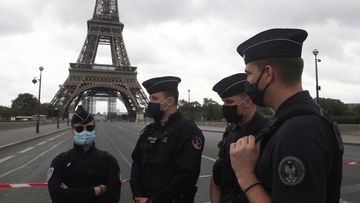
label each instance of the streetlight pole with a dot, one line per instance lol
(57, 117)
(316, 52)
(189, 96)
(39, 104)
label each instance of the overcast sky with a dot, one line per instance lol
(194, 39)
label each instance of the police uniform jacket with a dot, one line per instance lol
(81, 171)
(166, 161)
(301, 161)
(223, 174)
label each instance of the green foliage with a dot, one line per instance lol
(209, 110)
(333, 106)
(356, 109)
(25, 104)
(5, 113)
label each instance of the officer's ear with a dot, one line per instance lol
(269, 72)
(171, 101)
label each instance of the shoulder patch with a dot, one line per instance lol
(291, 171)
(49, 174)
(197, 143)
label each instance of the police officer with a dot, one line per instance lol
(84, 173)
(301, 154)
(167, 156)
(240, 112)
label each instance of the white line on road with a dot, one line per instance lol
(208, 158)
(205, 176)
(138, 133)
(6, 158)
(117, 149)
(41, 143)
(32, 160)
(51, 138)
(25, 150)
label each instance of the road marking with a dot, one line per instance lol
(59, 135)
(25, 150)
(117, 149)
(205, 176)
(138, 133)
(32, 160)
(51, 138)
(6, 158)
(41, 143)
(208, 158)
(343, 201)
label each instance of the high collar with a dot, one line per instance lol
(80, 148)
(173, 118)
(302, 97)
(252, 122)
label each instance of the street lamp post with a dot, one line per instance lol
(189, 96)
(39, 104)
(316, 52)
(57, 117)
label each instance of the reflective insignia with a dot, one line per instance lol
(165, 140)
(291, 171)
(197, 143)
(49, 173)
(152, 140)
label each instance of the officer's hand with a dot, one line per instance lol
(64, 186)
(141, 200)
(243, 155)
(99, 190)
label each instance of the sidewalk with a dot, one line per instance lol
(19, 135)
(347, 139)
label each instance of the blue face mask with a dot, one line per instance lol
(84, 137)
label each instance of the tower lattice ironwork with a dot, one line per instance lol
(86, 78)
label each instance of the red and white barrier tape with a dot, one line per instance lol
(20, 185)
(351, 163)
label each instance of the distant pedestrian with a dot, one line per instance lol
(84, 173)
(300, 159)
(240, 112)
(167, 157)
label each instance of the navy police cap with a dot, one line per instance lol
(81, 116)
(231, 85)
(161, 84)
(278, 42)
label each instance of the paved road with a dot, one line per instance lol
(28, 162)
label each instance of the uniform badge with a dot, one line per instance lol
(291, 171)
(197, 143)
(49, 173)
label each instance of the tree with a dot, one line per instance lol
(5, 113)
(212, 110)
(333, 106)
(25, 104)
(190, 110)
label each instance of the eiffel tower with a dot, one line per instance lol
(87, 79)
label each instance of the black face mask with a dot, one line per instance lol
(153, 110)
(230, 114)
(256, 95)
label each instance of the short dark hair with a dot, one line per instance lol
(289, 68)
(174, 94)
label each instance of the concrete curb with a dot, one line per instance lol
(218, 131)
(33, 138)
